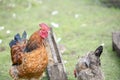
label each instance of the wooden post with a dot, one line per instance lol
(116, 42)
(56, 69)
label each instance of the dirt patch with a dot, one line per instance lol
(73, 53)
(2, 49)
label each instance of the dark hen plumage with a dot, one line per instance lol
(88, 66)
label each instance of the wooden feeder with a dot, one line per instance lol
(116, 42)
(55, 68)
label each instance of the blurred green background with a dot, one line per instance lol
(80, 26)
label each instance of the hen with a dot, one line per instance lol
(88, 67)
(29, 58)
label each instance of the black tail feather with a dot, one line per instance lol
(17, 37)
(98, 51)
(24, 35)
(12, 42)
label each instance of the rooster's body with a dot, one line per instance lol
(29, 58)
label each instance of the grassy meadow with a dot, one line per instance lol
(80, 26)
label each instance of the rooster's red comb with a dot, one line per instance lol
(44, 27)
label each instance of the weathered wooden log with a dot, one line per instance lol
(55, 68)
(116, 42)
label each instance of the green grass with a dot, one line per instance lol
(79, 35)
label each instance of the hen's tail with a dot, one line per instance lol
(18, 39)
(99, 50)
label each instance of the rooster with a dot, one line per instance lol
(88, 67)
(29, 57)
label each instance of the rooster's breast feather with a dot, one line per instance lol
(35, 61)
